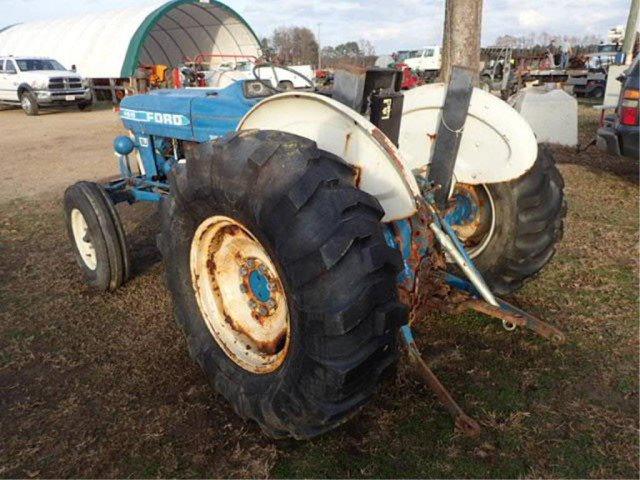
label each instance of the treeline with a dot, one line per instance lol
(299, 46)
(291, 46)
(361, 53)
(544, 39)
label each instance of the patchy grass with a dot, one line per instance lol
(100, 385)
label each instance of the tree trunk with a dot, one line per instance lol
(461, 42)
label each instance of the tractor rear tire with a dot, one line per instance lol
(95, 231)
(326, 243)
(529, 216)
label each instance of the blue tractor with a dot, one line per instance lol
(299, 241)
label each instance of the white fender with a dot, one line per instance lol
(497, 142)
(340, 130)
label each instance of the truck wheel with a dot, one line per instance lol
(29, 103)
(97, 235)
(82, 106)
(281, 280)
(513, 227)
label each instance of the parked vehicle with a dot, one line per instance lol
(296, 236)
(605, 55)
(590, 84)
(425, 62)
(35, 82)
(220, 71)
(497, 74)
(619, 131)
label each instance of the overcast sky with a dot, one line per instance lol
(390, 24)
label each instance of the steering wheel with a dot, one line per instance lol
(267, 83)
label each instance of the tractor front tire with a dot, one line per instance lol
(272, 202)
(96, 233)
(529, 216)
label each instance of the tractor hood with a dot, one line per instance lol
(193, 114)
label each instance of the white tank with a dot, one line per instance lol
(553, 115)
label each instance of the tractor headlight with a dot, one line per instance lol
(255, 89)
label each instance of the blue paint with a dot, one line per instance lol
(148, 156)
(145, 114)
(466, 286)
(389, 236)
(215, 116)
(123, 145)
(259, 285)
(145, 196)
(197, 115)
(398, 236)
(464, 211)
(404, 233)
(414, 248)
(407, 334)
(461, 284)
(456, 241)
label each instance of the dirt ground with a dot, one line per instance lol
(43, 154)
(101, 385)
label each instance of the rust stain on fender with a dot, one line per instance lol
(392, 151)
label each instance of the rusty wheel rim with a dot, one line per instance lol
(240, 294)
(477, 231)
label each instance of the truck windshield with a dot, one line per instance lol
(404, 54)
(34, 64)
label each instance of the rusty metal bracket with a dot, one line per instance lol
(511, 315)
(463, 422)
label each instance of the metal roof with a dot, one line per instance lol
(112, 44)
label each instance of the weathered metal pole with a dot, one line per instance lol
(319, 48)
(630, 31)
(461, 42)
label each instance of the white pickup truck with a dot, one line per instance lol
(426, 61)
(34, 82)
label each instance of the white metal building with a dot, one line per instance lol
(113, 44)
